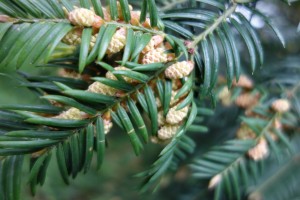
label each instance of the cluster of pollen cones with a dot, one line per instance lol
(154, 52)
(248, 99)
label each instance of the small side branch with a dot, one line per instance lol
(214, 26)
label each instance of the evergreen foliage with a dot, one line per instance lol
(201, 42)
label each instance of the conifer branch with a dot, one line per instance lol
(214, 26)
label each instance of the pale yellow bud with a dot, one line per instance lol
(225, 96)
(5, 18)
(172, 102)
(154, 42)
(155, 56)
(277, 124)
(147, 23)
(179, 70)
(167, 132)
(119, 8)
(245, 133)
(160, 118)
(260, 151)
(244, 82)
(246, 100)
(73, 37)
(110, 75)
(93, 41)
(281, 105)
(38, 153)
(101, 88)
(69, 73)
(106, 14)
(98, 22)
(156, 140)
(176, 84)
(175, 116)
(214, 181)
(120, 13)
(135, 18)
(158, 102)
(107, 125)
(82, 17)
(117, 42)
(72, 114)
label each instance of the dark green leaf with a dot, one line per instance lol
(178, 29)
(143, 102)
(283, 138)
(89, 96)
(150, 99)
(271, 24)
(84, 48)
(27, 144)
(134, 139)
(254, 36)
(43, 171)
(9, 40)
(197, 129)
(73, 143)
(113, 9)
(149, 67)
(98, 7)
(106, 38)
(100, 141)
(8, 170)
(205, 111)
(84, 4)
(229, 58)
(187, 86)
(17, 179)
(132, 74)
(128, 46)
(67, 4)
(248, 42)
(142, 43)
(207, 66)
(153, 13)
(33, 108)
(35, 169)
(61, 161)
(167, 97)
(186, 101)
(117, 120)
(47, 43)
(144, 11)
(189, 16)
(3, 28)
(125, 10)
(181, 45)
(53, 135)
(236, 56)
(214, 3)
(94, 53)
(160, 89)
(115, 84)
(137, 118)
(71, 102)
(216, 61)
(89, 147)
(192, 115)
(22, 41)
(57, 122)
